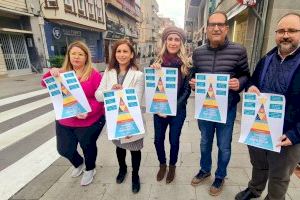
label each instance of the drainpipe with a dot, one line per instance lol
(256, 52)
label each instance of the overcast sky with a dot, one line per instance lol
(173, 9)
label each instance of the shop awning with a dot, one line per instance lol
(236, 10)
(15, 30)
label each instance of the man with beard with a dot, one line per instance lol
(278, 72)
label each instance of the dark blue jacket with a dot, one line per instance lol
(291, 125)
(230, 58)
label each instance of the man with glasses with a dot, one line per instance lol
(278, 72)
(219, 56)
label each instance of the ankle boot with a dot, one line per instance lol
(136, 185)
(171, 174)
(121, 175)
(161, 173)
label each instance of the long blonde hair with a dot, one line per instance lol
(185, 67)
(88, 68)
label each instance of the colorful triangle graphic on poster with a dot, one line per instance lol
(125, 123)
(260, 135)
(210, 108)
(71, 106)
(160, 102)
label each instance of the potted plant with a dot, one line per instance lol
(56, 61)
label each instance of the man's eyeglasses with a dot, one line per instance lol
(281, 32)
(219, 25)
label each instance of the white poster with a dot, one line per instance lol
(211, 97)
(262, 120)
(67, 96)
(161, 90)
(123, 114)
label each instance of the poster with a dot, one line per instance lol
(123, 113)
(161, 90)
(67, 96)
(262, 120)
(211, 97)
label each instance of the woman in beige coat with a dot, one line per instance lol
(122, 72)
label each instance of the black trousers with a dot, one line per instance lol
(135, 160)
(276, 168)
(69, 137)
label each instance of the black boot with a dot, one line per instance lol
(136, 185)
(121, 176)
(246, 194)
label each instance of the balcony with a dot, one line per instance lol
(126, 7)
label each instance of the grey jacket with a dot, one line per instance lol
(230, 58)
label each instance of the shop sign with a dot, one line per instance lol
(115, 28)
(57, 33)
(71, 32)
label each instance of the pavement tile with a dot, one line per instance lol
(228, 192)
(73, 191)
(174, 192)
(123, 191)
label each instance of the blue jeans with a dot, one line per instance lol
(160, 127)
(224, 138)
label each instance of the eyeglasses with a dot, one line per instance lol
(281, 32)
(219, 25)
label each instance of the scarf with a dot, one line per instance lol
(173, 61)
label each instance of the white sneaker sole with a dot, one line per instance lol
(78, 174)
(85, 184)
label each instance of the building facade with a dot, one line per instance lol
(250, 25)
(20, 37)
(149, 37)
(123, 19)
(66, 21)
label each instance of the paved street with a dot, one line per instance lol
(32, 169)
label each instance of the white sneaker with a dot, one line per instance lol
(77, 171)
(88, 177)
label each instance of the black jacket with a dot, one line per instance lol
(184, 92)
(291, 126)
(230, 58)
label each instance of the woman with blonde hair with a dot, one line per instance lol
(173, 55)
(85, 128)
(122, 72)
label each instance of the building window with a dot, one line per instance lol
(68, 2)
(81, 7)
(51, 4)
(99, 10)
(69, 7)
(91, 9)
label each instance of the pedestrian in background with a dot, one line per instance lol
(219, 56)
(123, 72)
(85, 128)
(278, 72)
(173, 55)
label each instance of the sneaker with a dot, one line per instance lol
(136, 185)
(200, 177)
(121, 176)
(217, 187)
(87, 177)
(246, 195)
(77, 171)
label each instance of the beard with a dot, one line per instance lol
(287, 46)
